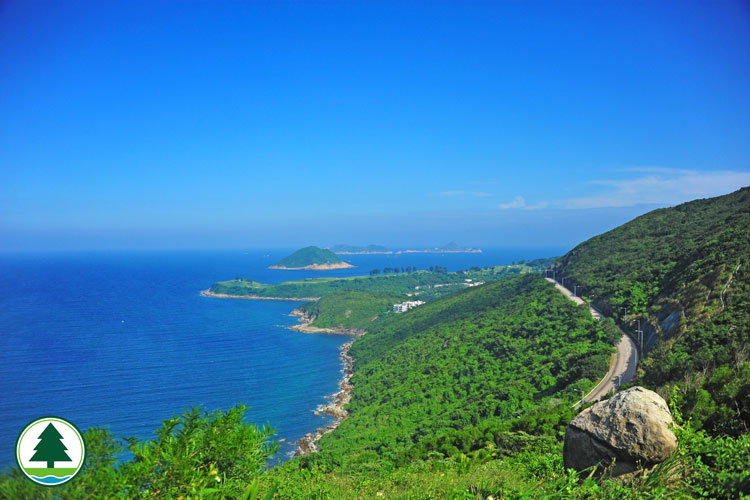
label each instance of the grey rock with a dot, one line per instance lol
(631, 429)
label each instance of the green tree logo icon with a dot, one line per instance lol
(50, 448)
(50, 451)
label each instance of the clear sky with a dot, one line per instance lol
(154, 124)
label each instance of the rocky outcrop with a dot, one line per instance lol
(628, 431)
(306, 319)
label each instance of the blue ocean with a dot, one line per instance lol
(124, 340)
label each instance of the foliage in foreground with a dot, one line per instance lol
(195, 455)
(191, 451)
(702, 467)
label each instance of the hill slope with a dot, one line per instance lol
(311, 258)
(683, 272)
(491, 351)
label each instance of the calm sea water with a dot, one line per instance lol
(125, 340)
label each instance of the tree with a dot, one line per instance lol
(50, 448)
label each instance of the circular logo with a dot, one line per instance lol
(50, 451)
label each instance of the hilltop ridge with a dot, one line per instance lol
(681, 273)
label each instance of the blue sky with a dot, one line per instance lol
(259, 124)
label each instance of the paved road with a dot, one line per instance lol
(625, 357)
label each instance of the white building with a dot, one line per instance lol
(405, 306)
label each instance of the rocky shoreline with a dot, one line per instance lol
(315, 267)
(209, 293)
(335, 408)
(304, 326)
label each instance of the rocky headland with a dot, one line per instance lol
(304, 326)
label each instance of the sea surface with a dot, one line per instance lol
(124, 340)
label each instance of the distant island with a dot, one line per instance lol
(352, 249)
(452, 247)
(311, 258)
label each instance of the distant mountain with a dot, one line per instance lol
(453, 247)
(313, 258)
(352, 249)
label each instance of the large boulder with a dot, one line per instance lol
(631, 429)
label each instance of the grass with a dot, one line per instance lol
(46, 471)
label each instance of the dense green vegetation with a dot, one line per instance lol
(684, 272)
(349, 309)
(398, 284)
(194, 455)
(521, 459)
(309, 256)
(468, 396)
(354, 302)
(497, 350)
(516, 459)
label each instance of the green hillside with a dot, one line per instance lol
(683, 272)
(493, 351)
(467, 396)
(309, 256)
(397, 282)
(350, 309)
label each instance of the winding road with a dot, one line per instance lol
(621, 369)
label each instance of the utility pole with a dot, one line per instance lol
(575, 289)
(563, 281)
(626, 312)
(640, 335)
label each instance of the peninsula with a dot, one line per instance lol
(311, 258)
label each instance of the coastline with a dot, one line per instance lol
(304, 326)
(209, 293)
(315, 267)
(335, 408)
(308, 443)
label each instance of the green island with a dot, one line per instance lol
(468, 395)
(311, 258)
